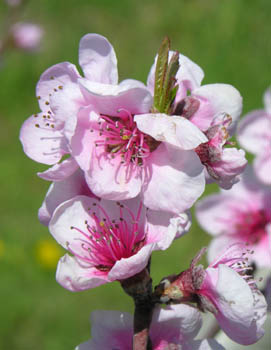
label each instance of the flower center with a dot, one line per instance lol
(251, 227)
(121, 137)
(106, 241)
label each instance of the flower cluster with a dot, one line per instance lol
(127, 162)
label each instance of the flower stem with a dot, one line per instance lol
(139, 287)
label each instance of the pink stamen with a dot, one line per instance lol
(107, 240)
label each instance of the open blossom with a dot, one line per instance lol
(227, 289)
(172, 328)
(109, 241)
(254, 134)
(214, 109)
(27, 36)
(92, 119)
(120, 160)
(241, 214)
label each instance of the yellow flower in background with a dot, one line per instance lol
(2, 248)
(48, 253)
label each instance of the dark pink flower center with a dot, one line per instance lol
(121, 137)
(109, 240)
(252, 227)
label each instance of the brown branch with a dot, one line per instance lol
(139, 287)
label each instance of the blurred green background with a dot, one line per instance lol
(229, 39)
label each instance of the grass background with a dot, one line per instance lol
(229, 39)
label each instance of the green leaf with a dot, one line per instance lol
(167, 96)
(160, 71)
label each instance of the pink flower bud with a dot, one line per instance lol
(27, 36)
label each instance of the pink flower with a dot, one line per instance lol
(227, 289)
(46, 136)
(121, 160)
(254, 134)
(223, 165)
(26, 36)
(109, 241)
(241, 214)
(172, 328)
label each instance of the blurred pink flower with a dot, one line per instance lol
(254, 134)
(109, 241)
(174, 327)
(227, 289)
(27, 36)
(241, 214)
(13, 2)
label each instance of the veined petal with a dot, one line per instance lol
(111, 99)
(60, 171)
(75, 277)
(98, 59)
(214, 100)
(241, 312)
(110, 179)
(53, 80)
(72, 213)
(42, 143)
(176, 180)
(174, 130)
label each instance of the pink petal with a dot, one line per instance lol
(164, 227)
(98, 59)
(231, 165)
(206, 344)
(176, 180)
(111, 99)
(60, 171)
(111, 327)
(254, 132)
(72, 213)
(217, 213)
(175, 324)
(66, 102)
(237, 307)
(177, 131)
(127, 267)
(109, 179)
(54, 79)
(61, 191)
(75, 277)
(42, 144)
(214, 100)
(262, 167)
